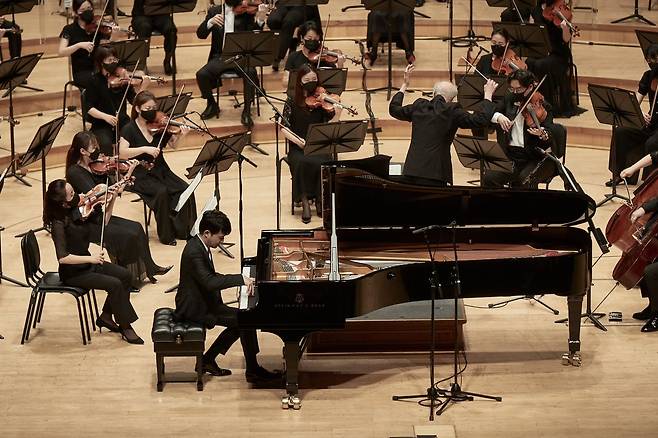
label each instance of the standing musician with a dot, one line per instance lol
(144, 25)
(629, 144)
(125, 240)
(75, 41)
(310, 35)
(199, 298)
(12, 32)
(159, 186)
(434, 124)
(79, 268)
(105, 98)
(403, 25)
(219, 21)
(285, 19)
(305, 169)
(519, 139)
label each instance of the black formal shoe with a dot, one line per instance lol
(276, 64)
(172, 243)
(246, 120)
(651, 325)
(643, 315)
(306, 212)
(168, 69)
(113, 327)
(214, 370)
(162, 270)
(615, 181)
(212, 110)
(260, 375)
(133, 338)
(133, 290)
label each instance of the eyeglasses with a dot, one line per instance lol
(110, 60)
(494, 43)
(150, 108)
(517, 90)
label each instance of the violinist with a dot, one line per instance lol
(79, 268)
(144, 25)
(305, 169)
(285, 19)
(103, 98)
(12, 32)
(310, 36)
(499, 42)
(403, 34)
(218, 22)
(434, 124)
(76, 41)
(125, 240)
(519, 139)
(629, 144)
(159, 186)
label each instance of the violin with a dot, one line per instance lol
(105, 27)
(162, 123)
(108, 165)
(251, 7)
(559, 12)
(321, 99)
(122, 77)
(331, 56)
(535, 113)
(508, 63)
(96, 196)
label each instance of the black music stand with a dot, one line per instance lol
(169, 7)
(334, 80)
(471, 38)
(619, 108)
(635, 16)
(12, 73)
(529, 40)
(389, 7)
(2, 275)
(335, 137)
(646, 38)
(131, 52)
(14, 7)
(166, 104)
(483, 155)
(470, 91)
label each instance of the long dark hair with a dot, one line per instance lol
(53, 208)
(81, 140)
(502, 32)
(300, 93)
(307, 27)
(102, 52)
(140, 99)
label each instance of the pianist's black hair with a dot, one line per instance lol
(215, 222)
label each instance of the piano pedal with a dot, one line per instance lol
(572, 359)
(291, 401)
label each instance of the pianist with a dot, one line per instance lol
(434, 124)
(199, 298)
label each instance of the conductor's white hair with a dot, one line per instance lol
(446, 89)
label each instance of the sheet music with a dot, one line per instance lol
(211, 204)
(189, 190)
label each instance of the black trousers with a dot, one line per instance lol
(115, 280)
(208, 76)
(83, 78)
(285, 19)
(14, 39)
(144, 26)
(228, 317)
(649, 285)
(106, 140)
(628, 146)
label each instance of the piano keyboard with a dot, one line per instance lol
(245, 301)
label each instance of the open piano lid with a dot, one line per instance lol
(367, 197)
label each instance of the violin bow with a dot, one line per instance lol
(173, 108)
(324, 36)
(652, 107)
(116, 115)
(93, 40)
(525, 105)
(476, 69)
(518, 11)
(503, 58)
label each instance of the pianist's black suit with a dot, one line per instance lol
(434, 124)
(199, 299)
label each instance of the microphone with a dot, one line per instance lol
(185, 114)
(233, 59)
(433, 227)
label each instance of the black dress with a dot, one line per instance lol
(71, 236)
(82, 63)
(161, 188)
(125, 240)
(305, 169)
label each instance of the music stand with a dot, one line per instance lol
(14, 7)
(335, 137)
(169, 7)
(2, 275)
(484, 155)
(529, 40)
(334, 80)
(166, 104)
(635, 16)
(389, 7)
(646, 38)
(130, 52)
(619, 108)
(470, 91)
(12, 73)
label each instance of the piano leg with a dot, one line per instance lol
(291, 354)
(575, 303)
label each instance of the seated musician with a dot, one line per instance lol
(284, 20)
(104, 98)
(434, 124)
(199, 298)
(79, 268)
(629, 144)
(521, 141)
(499, 41)
(144, 25)
(159, 187)
(305, 169)
(219, 21)
(12, 32)
(403, 25)
(310, 35)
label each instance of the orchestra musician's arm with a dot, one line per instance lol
(643, 162)
(127, 152)
(63, 256)
(566, 32)
(214, 22)
(65, 50)
(174, 139)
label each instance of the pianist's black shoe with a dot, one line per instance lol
(651, 325)
(644, 314)
(261, 375)
(213, 369)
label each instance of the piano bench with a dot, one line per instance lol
(172, 338)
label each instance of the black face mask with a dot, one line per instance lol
(94, 155)
(310, 86)
(87, 16)
(149, 115)
(75, 201)
(110, 67)
(312, 45)
(653, 66)
(497, 50)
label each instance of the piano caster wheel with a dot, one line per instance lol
(291, 401)
(572, 359)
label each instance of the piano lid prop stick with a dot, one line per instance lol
(211, 204)
(334, 275)
(182, 199)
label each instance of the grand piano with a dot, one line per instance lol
(509, 242)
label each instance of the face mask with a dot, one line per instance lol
(519, 97)
(94, 155)
(497, 50)
(653, 66)
(312, 45)
(75, 201)
(149, 115)
(310, 86)
(87, 16)
(110, 67)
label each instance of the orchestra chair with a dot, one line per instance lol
(43, 283)
(83, 110)
(232, 75)
(176, 338)
(147, 211)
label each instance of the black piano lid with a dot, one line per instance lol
(372, 199)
